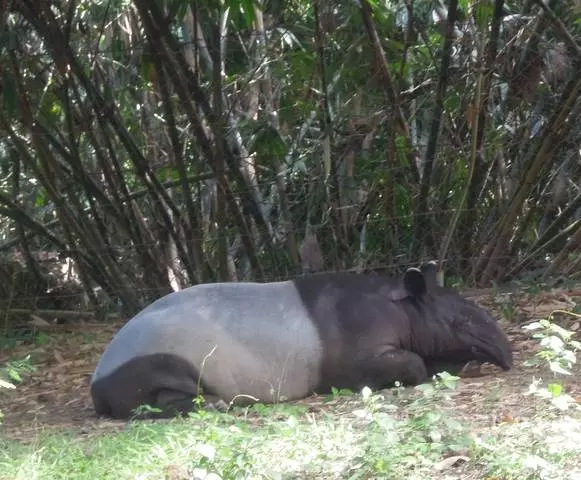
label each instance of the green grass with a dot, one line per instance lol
(396, 435)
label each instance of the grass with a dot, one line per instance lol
(400, 434)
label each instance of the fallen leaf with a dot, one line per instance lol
(451, 461)
(37, 321)
(507, 418)
(58, 357)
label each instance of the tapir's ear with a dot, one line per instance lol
(413, 285)
(429, 273)
(414, 282)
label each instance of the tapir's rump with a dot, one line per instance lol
(238, 339)
(286, 340)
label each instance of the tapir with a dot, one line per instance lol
(238, 343)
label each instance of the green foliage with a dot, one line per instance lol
(508, 309)
(420, 439)
(268, 144)
(9, 96)
(558, 346)
(262, 442)
(115, 120)
(144, 411)
(15, 369)
(483, 13)
(272, 411)
(12, 337)
(338, 392)
(11, 374)
(558, 351)
(398, 433)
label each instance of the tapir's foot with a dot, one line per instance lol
(392, 365)
(215, 403)
(174, 403)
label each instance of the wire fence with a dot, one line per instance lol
(69, 299)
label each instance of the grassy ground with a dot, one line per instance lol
(484, 427)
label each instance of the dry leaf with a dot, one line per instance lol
(36, 321)
(451, 461)
(507, 418)
(58, 357)
(470, 114)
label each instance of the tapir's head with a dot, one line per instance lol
(446, 326)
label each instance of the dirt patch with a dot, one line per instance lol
(56, 396)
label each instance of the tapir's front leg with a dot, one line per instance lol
(390, 365)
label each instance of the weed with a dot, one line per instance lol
(558, 351)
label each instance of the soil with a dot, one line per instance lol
(56, 395)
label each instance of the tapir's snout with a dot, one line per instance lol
(505, 364)
(493, 348)
(493, 355)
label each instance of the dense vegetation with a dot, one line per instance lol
(146, 146)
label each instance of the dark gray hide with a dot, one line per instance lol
(281, 341)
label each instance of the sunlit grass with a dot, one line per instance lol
(397, 435)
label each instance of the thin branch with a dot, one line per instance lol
(421, 227)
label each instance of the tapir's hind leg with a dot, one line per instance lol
(392, 365)
(164, 382)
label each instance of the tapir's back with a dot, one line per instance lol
(238, 337)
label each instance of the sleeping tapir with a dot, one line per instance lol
(270, 342)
